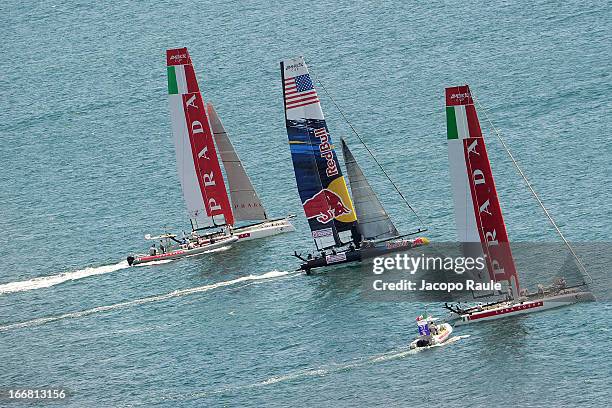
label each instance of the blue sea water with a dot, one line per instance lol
(88, 168)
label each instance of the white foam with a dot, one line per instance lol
(449, 341)
(48, 281)
(160, 262)
(307, 373)
(335, 368)
(315, 372)
(157, 298)
(223, 248)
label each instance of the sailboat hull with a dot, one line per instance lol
(183, 252)
(264, 229)
(361, 254)
(514, 308)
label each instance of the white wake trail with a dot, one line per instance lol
(156, 298)
(151, 263)
(321, 371)
(48, 281)
(335, 368)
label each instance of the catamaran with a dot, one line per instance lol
(197, 133)
(170, 247)
(480, 224)
(342, 232)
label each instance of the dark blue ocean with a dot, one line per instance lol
(88, 168)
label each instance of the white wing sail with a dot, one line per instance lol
(246, 205)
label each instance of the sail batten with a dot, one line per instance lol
(321, 185)
(197, 162)
(246, 204)
(373, 220)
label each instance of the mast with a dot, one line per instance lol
(197, 162)
(246, 204)
(477, 211)
(373, 220)
(322, 188)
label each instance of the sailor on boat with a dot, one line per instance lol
(430, 334)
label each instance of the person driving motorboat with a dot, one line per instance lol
(430, 334)
(432, 328)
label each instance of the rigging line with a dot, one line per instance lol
(367, 148)
(533, 192)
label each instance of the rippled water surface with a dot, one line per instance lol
(88, 169)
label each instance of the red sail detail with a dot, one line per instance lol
(472, 120)
(489, 218)
(205, 158)
(192, 82)
(458, 95)
(178, 56)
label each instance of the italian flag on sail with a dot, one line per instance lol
(181, 75)
(461, 119)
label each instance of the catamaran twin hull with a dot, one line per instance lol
(513, 308)
(247, 233)
(264, 229)
(182, 252)
(361, 254)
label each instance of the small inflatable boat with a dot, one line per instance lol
(431, 334)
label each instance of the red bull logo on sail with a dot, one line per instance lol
(327, 152)
(325, 206)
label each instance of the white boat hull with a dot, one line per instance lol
(264, 229)
(445, 332)
(514, 308)
(182, 252)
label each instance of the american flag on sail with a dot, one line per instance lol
(299, 91)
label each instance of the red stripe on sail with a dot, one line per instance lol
(472, 120)
(489, 218)
(302, 95)
(205, 158)
(314, 100)
(476, 207)
(192, 82)
(458, 95)
(177, 56)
